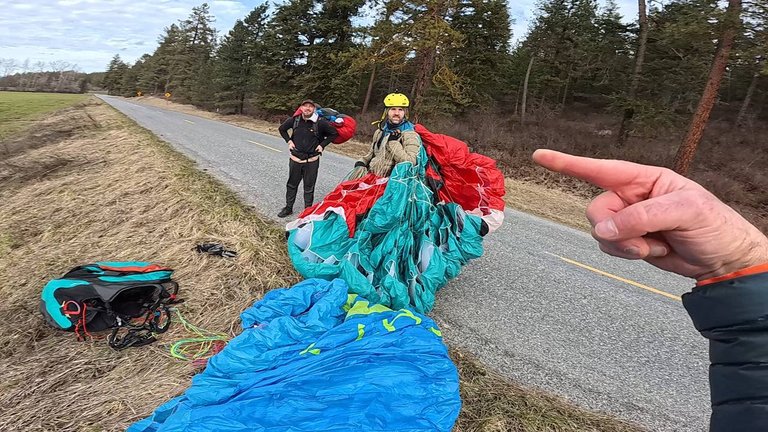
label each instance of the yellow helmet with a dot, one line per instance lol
(396, 100)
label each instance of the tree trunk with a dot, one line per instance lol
(423, 77)
(688, 147)
(428, 57)
(525, 91)
(747, 99)
(368, 92)
(565, 91)
(629, 112)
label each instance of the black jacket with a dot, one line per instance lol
(733, 315)
(308, 135)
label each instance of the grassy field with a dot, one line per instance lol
(110, 190)
(20, 109)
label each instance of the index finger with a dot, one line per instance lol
(605, 173)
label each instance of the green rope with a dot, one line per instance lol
(196, 348)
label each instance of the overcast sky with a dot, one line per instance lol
(89, 32)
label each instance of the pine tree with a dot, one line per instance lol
(411, 40)
(331, 78)
(148, 79)
(629, 109)
(113, 79)
(564, 39)
(750, 57)
(239, 61)
(192, 68)
(232, 75)
(484, 60)
(166, 58)
(289, 36)
(431, 37)
(384, 56)
(612, 50)
(129, 82)
(681, 44)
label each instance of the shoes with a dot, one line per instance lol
(285, 212)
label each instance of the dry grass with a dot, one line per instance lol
(492, 403)
(552, 203)
(113, 191)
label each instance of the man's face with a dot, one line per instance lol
(307, 110)
(396, 115)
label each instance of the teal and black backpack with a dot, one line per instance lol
(130, 296)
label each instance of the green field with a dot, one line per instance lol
(19, 109)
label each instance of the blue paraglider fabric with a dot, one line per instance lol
(315, 358)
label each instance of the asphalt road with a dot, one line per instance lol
(543, 306)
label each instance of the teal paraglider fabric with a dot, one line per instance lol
(392, 240)
(315, 358)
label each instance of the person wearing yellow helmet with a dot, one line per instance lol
(394, 141)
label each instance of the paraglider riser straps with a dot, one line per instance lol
(138, 330)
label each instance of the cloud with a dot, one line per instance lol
(91, 32)
(230, 7)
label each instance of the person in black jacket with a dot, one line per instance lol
(654, 214)
(310, 134)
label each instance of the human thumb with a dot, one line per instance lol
(664, 213)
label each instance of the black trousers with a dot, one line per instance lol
(298, 172)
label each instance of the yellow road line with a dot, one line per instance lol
(618, 278)
(189, 121)
(265, 146)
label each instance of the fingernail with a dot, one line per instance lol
(632, 251)
(658, 251)
(606, 229)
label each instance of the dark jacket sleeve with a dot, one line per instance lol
(328, 131)
(733, 315)
(288, 124)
